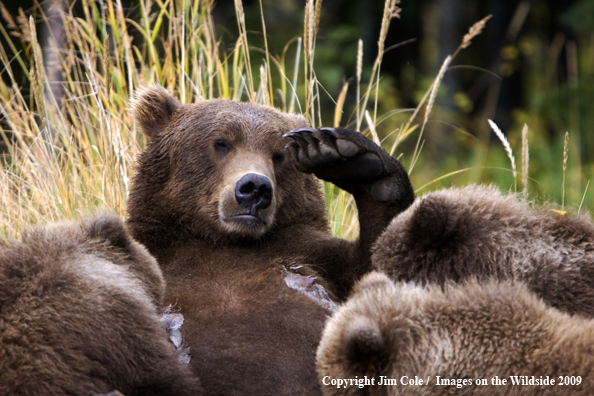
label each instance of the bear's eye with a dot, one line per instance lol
(278, 157)
(222, 146)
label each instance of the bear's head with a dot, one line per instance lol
(218, 170)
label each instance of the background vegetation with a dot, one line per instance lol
(69, 70)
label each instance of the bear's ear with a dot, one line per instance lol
(364, 347)
(109, 228)
(153, 108)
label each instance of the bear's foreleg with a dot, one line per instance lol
(378, 182)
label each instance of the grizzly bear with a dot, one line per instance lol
(78, 315)
(481, 339)
(224, 198)
(476, 232)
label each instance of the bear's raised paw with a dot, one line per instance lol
(351, 161)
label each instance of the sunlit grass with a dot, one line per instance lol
(70, 144)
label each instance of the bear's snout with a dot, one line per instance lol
(253, 192)
(248, 201)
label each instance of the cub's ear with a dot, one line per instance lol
(109, 228)
(153, 108)
(364, 347)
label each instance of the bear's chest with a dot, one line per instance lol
(241, 314)
(214, 283)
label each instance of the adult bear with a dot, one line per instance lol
(79, 315)
(478, 233)
(388, 337)
(240, 232)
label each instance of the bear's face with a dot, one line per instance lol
(219, 168)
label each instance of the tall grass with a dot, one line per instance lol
(70, 143)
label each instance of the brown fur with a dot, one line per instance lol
(466, 331)
(475, 232)
(248, 332)
(78, 314)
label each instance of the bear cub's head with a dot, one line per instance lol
(216, 169)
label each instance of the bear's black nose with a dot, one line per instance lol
(253, 191)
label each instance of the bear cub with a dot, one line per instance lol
(79, 314)
(459, 332)
(478, 233)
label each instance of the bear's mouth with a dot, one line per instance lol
(247, 220)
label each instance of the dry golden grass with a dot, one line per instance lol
(70, 144)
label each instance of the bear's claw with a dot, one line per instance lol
(314, 147)
(340, 156)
